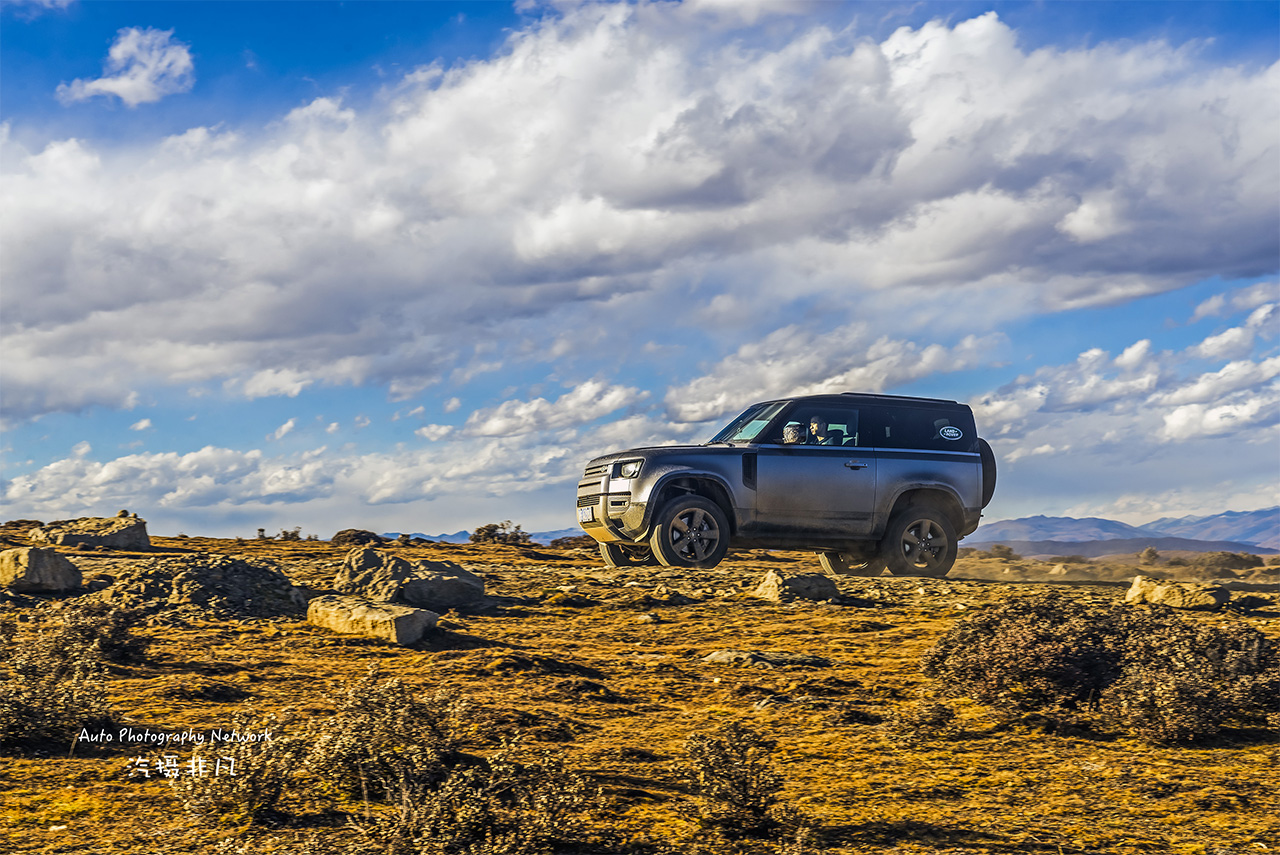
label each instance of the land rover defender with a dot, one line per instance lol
(869, 482)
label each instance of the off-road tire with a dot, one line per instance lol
(690, 531)
(845, 564)
(988, 458)
(626, 555)
(919, 541)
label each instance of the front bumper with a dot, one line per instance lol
(605, 507)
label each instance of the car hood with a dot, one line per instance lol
(656, 451)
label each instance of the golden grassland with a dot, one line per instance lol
(596, 663)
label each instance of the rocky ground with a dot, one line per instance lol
(617, 668)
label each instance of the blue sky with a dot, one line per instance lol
(407, 266)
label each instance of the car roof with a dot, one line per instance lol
(867, 398)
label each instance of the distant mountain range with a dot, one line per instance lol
(1260, 527)
(1232, 531)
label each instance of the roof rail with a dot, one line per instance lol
(900, 397)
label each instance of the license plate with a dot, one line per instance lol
(586, 514)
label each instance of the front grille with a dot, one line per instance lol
(598, 469)
(588, 501)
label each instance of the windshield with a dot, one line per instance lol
(746, 427)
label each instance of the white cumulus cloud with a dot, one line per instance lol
(616, 150)
(1194, 420)
(584, 403)
(795, 361)
(143, 65)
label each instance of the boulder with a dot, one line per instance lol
(373, 574)
(805, 586)
(442, 585)
(197, 584)
(118, 532)
(382, 577)
(350, 615)
(37, 570)
(354, 537)
(1177, 595)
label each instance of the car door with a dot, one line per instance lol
(809, 489)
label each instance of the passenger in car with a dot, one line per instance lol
(792, 434)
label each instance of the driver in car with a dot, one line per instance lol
(819, 432)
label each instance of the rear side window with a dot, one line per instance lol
(915, 427)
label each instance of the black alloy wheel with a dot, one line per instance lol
(919, 541)
(690, 531)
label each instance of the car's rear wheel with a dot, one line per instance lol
(919, 541)
(847, 564)
(626, 554)
(690, 531)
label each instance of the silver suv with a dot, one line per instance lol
(869, 482)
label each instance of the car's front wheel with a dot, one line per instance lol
(626, 554)
(690, 531)
(919, 541)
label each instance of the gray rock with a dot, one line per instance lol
(1072, 573)
(766, 658)
(664, 596)
(1177, 595)
(442, 585)
(373, 574)
(382, 577)
(781, 588)
(197, 583)
(112, 532)
(355, 537)
(37, 570)
(350, 615)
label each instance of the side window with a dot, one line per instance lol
(816, 424)
(933, 430)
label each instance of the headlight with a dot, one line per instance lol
(630, 468)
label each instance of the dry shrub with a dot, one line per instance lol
(1182, 681)
(52, 685)
(503, 532)
(238, 781)
(383, 736)
(732, 770)
(514, 802)
(1228, 561)
(580, 541)
(1041, 653)
(1147, 671)
(112, 629)
(421, 794)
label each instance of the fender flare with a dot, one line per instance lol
(655, 492)
(936, 487)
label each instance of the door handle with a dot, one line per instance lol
(855, 464)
